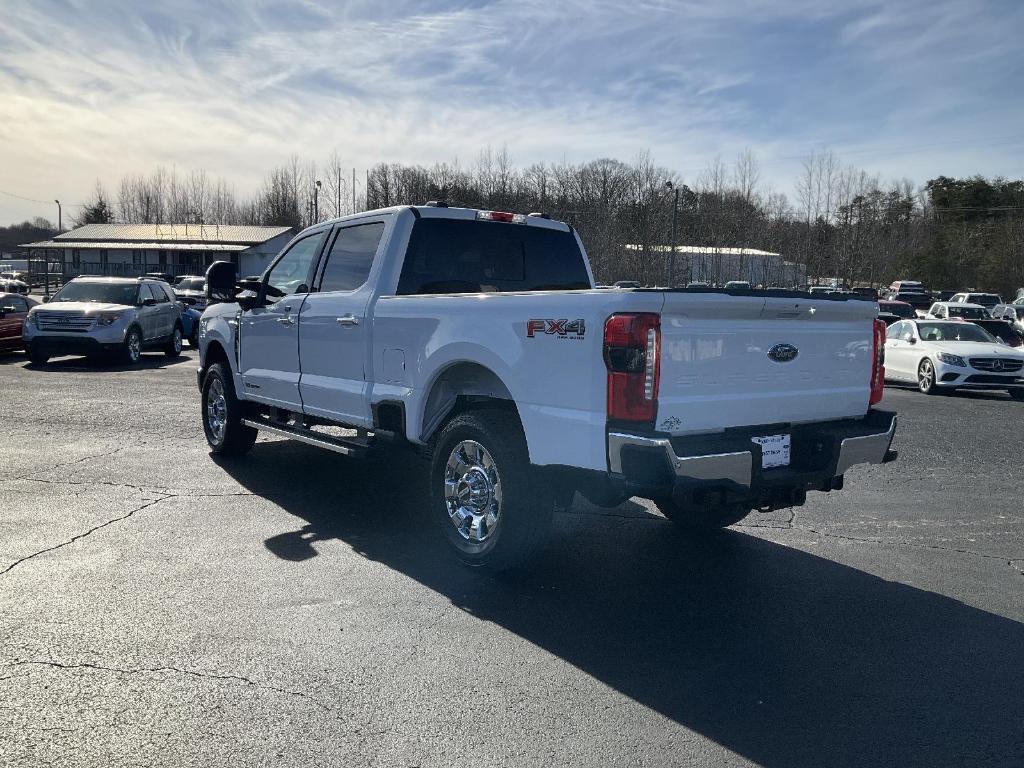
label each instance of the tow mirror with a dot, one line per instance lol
(911, 339)
(249, 292)
(220, 281)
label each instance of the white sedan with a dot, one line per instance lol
(941, 355)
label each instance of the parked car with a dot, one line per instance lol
(944, 295)
(899, 309)
(948, 310)
(738, 285)
(116, 315)
(987, 300)
(190, 317)
(943, 355)
(907, 286)
(14, 309)
(921, 302)
(1012, 313)
(1003, 331)
(192, 287)
(13, 285)
(478, 338)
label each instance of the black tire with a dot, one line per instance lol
(1016, 393)
(702, 519)
(131, 348)
(926, 377)
(524, 503)
(38, 358)
(230, 437)
(173, 346)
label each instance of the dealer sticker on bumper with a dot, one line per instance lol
(774, 450)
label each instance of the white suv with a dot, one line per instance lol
(93, 315)
(950, 310)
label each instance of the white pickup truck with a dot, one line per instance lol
(479, 337)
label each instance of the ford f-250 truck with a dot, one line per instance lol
(479, 337)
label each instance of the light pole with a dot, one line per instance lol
(316, 200)
(60, 216)
(670, 259)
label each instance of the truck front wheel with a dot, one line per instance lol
(222, 414)
(489, 504)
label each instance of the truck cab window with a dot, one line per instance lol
(291, 273)
(348, 263)
(460, 256)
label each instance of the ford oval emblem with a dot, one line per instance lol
(783, 353)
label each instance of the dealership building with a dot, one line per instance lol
(178, 249)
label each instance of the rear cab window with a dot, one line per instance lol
(471, 256)
(351, 255)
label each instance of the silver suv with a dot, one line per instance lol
(114, 315)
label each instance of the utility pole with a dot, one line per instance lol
(60, 217)
(670, 258)
(316, 201)
(353, 190)
(338, 198)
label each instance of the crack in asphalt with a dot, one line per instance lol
(168, 669)
(79, 536)
(108, 483)
(64, 464)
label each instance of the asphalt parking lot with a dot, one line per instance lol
(291, 609)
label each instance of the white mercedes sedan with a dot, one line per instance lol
(939, 355)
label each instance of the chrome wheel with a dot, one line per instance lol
(925, 376)
(472, 491)
(216, 410)
(134, 346)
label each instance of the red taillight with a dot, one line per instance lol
(878, 363)
(632, 345)
(510, 218)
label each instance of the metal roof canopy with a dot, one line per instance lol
(186, 233)
(126, 245)
(710, 250)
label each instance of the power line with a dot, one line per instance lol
(34, 200)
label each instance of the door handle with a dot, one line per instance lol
(348, 320)
(286, 321)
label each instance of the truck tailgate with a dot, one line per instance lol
(717, 371)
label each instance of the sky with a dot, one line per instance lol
(96, 90)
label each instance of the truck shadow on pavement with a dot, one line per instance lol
(786, 658)
(148, 361)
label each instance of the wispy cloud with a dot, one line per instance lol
(236, 87)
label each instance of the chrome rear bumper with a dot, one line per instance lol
(737, 468)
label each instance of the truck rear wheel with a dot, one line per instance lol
(222, 414)
(489, 504)
(708, 518)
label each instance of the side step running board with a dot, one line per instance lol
(338, 445)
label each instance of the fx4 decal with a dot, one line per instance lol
(575, 328)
